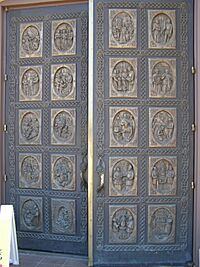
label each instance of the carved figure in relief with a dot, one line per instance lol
(123, 176)
(162, 78)
(123, 223)
(162, 176)
(30, 126)
(163, 127)
(161, 224)
(64, 219)
(161, 28)
(30, 214)
(123, 77)
(30, 170)
(30, 83)
(31, 39)
(63, 172)
(124, 127)
(63, 82)
(63, 126)
(64, 37)
(123, 28)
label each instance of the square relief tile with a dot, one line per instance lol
(123, 77)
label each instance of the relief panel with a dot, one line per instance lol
(122, 28)
(30, 170)
(31, 214)
(63, 82)
(31, 40)
(123, 176)
(123, 77)
(162, 78)
(162, 29)
(162, 127)
(30, 83)
(122, 224)
(63, 172)
(63, 126)
(29, 127)
(63, 214)
(162, 175)
(64, 37)
(161, 224)
(123, 127)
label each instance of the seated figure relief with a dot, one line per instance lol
(31, 214)
(124, 127)
(30, 83)
(30, 126)
(161, 28)
(123, 28)
(64, 37)
(31, 39)
(163, 127)
(30, 170)
(63, 126)
(63, 172)
(123, 77)
(123, 175)
(63, 82)
(64, 219)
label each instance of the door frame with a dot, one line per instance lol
(13, 4)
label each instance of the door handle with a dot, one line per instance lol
(83, 169)
(101, 173)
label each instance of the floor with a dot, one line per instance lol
(35, 259)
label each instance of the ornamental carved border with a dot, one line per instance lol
(143, 54)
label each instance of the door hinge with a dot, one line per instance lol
(5, 177)
(5, 77)
(193, 127)
(5, 128)
(193, 70)
(193, 185)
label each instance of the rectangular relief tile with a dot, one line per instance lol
(162, 78)
(31, 40)
(63, 172)
(30, 127)
(63, 37)
(123, 77)
(162, 175)
(122, 224)
(30, 83)
(161, 224)
(122, 28)
(123, 176)
(63, 126)
(63, 216)
(123, 127)
(162, 29)
(30, 170)
(162, 127)
(31, 213)
(63, 82)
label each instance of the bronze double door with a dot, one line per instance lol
(142, 140)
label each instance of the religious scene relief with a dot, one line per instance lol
(162, 29)
(30, 127)
(30, 88)
(31, 215)
(30, 170)
(162, 175)
(63, 126)
(63, 82)
(63, 216)
(31, 40)
(161, 224)
(123, 127)
(162, 127)
(122, 28)
(123, 77)
(63, 37)
(162, 78)
(122, 176)
(63, 172)
(122, 224)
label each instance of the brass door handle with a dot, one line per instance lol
(101, 173)
(83, 169)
